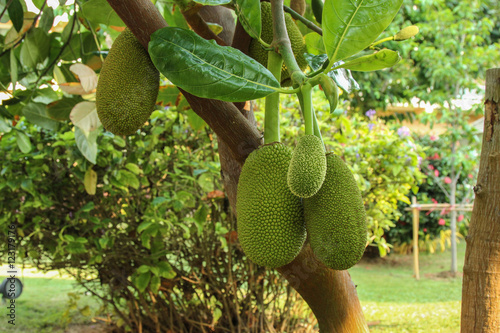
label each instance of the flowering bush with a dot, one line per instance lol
(435, 224)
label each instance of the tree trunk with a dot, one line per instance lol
(330, 294)
(481, 283)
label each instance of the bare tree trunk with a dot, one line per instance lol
(330, 294)
(481, 283)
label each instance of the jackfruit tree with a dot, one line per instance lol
(298, 208)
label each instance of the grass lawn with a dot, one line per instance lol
(394, 301)
(41, 306)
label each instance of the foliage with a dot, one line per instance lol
(156, 231)
(458, 41)
(153, 195)
(435, 224)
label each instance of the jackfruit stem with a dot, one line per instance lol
(281, 41)
(308, 110)
(272, 104)
(317, 131)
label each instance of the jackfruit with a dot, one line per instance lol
(128, 86)
(257, 52)
(270, 221)
(336, 219)
(307, 169)
(299, 6)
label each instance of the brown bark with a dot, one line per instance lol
(481, 282)
(330, 294)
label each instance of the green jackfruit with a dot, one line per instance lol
(128, 86)
(270, 224)
(336, 218)
(308, 167)
(296, 40)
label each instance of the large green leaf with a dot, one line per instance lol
(99, 11)
(208, 70)
(35, 48)
(373, 62)
(37, 113)
(349, 26)
(16, 14)
(23, 141)
(248, 12)
(87, 143)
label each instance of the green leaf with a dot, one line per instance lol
(90, 181)
(248, 12)
(166, 271)
(155, 284)
(87, 207)
(208, 70)
(129, 179)
(23, 141)
(331, 91)
(16, 14)
(35, 48)
(99, 11)
(134, 168)
(373, 62)
(158, 201)
(37, 113)
(142, 281)
(84, 115)
(213, 2)
(350, 26)
(87, 143)
(195, 121)
(314, 43)
(47, 19)
(143, 269)
(4, 126)
(60, 110)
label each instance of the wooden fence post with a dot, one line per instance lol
(416, 218)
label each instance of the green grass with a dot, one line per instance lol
(394, 301)
(41, 306)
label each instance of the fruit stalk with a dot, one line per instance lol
(272, 104)
(308, 111)
(282, 42)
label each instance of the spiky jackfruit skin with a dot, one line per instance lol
(308, 167)
(296, 40)
(270, 223)
(336, 218)
(128, 86)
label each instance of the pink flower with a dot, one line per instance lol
(447, 180)
(434, 200)
(460, 218)
(442, 222)
(436, 156)
(431, 166)
(434, 137)
(470, 175)
(425, 229)
(436, 173)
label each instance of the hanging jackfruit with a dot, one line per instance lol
(270, 223)
(308, 167)
(296, 40)
(128, 86)
(336, 218)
